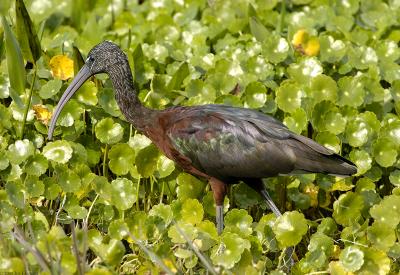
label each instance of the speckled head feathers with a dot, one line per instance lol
(104, 56)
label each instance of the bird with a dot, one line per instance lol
(222, 144)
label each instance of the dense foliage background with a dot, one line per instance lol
(101, 199)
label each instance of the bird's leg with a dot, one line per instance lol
(219, 191)
(258, 185)
(264, 193)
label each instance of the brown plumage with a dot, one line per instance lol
(222, 144)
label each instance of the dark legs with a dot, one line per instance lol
(219, 190)
(258, 185)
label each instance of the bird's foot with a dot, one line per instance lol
(288, 261)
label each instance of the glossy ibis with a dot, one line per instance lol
(220, 143)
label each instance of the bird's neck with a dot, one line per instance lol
(127, 98)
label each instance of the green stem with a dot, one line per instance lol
(151, 192)
(105, 161)
(137, 195)
(162, 192)
(28, 106)
(281, 17)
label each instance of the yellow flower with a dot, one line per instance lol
(42, 113)
(62, 67)
(305, 44)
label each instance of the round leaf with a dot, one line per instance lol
(20, 151)
(108, 132)
(290, 228)
(192, 211)
(256, 95)
(122, 157)
(123, 193)
(387, 211)
(189, 186)
(381, 236)
(229, 251)
(288, 96)
(238, 221)
(146, 161)
(352, 258)
(347, 209)
(59, 151)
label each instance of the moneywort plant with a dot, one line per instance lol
(101, 199)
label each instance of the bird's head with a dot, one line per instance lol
(103, 58)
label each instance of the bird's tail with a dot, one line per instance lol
(314, 158)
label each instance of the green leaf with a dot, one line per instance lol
(351, 91)
(331, 50)
(165, 166)
(381, 236)
(352, 258)
(297, 122)
(238, 221)
(275, 48)
(163, 211)
(34, 187)
(77, 212)
(192, 211)
(15, 64)
(395, 178)
(387, 211)
(256, 95)
(313, 260)
(245, 196)
(106, 99)
(335, 122)
(306, 70)
(361, 128)
(290, 228)
(229, 251)
(256, 27)
(187, 229)
(322, 88)
(50, 89)
(113, 252)
(189, 186)
(321, 243)
(109, 132)
(122, 158)
(385, 152)
(15, 194)
(26, 33)
(69, 181)
(138, 142)
(20, 151)
(118, 229)
(375, 262)
(59, 151)
(288, 96)
(123, 193)
(87, 93)
(347, 209)
(146, 160)
(329, 140)
(177, 80)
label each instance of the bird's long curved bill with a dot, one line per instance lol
(79, 79)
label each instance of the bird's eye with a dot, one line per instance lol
(90, 58)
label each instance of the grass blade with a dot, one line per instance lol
(151, 254)
(15, 63)
(26, 33)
